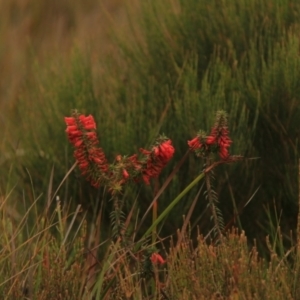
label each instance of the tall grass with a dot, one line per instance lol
(173, 65)
(59, 256)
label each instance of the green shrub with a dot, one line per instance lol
(183, 61)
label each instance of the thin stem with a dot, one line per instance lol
(154, 213)
(172, 204)
(154, 217)
(210, 197)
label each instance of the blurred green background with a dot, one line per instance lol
(148, 67)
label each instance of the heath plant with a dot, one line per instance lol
(143, 168)
(65, 256)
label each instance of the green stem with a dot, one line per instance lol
(172, 204)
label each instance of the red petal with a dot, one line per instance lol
(157, 259)
(210, 140)
(70, 121)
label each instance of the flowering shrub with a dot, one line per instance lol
(142, 167)
(217, 141)
(204, 145)
(157, 159)
(92, 162)
(81, 131)
(90, 158)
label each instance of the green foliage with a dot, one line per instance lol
(198, 56)
(33, 262)
(235, 38)
(59, 258)
(179, 63)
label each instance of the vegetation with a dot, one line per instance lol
(144, 69)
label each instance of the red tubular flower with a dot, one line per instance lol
(217, 140)
(90, 158)
(70, 121)
(224, 153)
(212, 138)
(195, 143)
(97, 156)
(87, 122)
(224, 143)
(125, 174)
(220, 136)
(134, 162)
(157, 259)
(157, 160)
(165, 151)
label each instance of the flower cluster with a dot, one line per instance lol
(219, 137)
(123, 169)
(90, 158)
(126, 168)
(218, 140)
(157, 159)
(81, 131)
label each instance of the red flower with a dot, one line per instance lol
(157, 259)
(125, 174)
(97, 156)
(70, 121)
(90, 158)
(224, 143)
(166, 151)
(195, 143)
(87, 122)
(212, 138)
(156, 160)
(134, 162)
(219, 136)
(224, 153)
